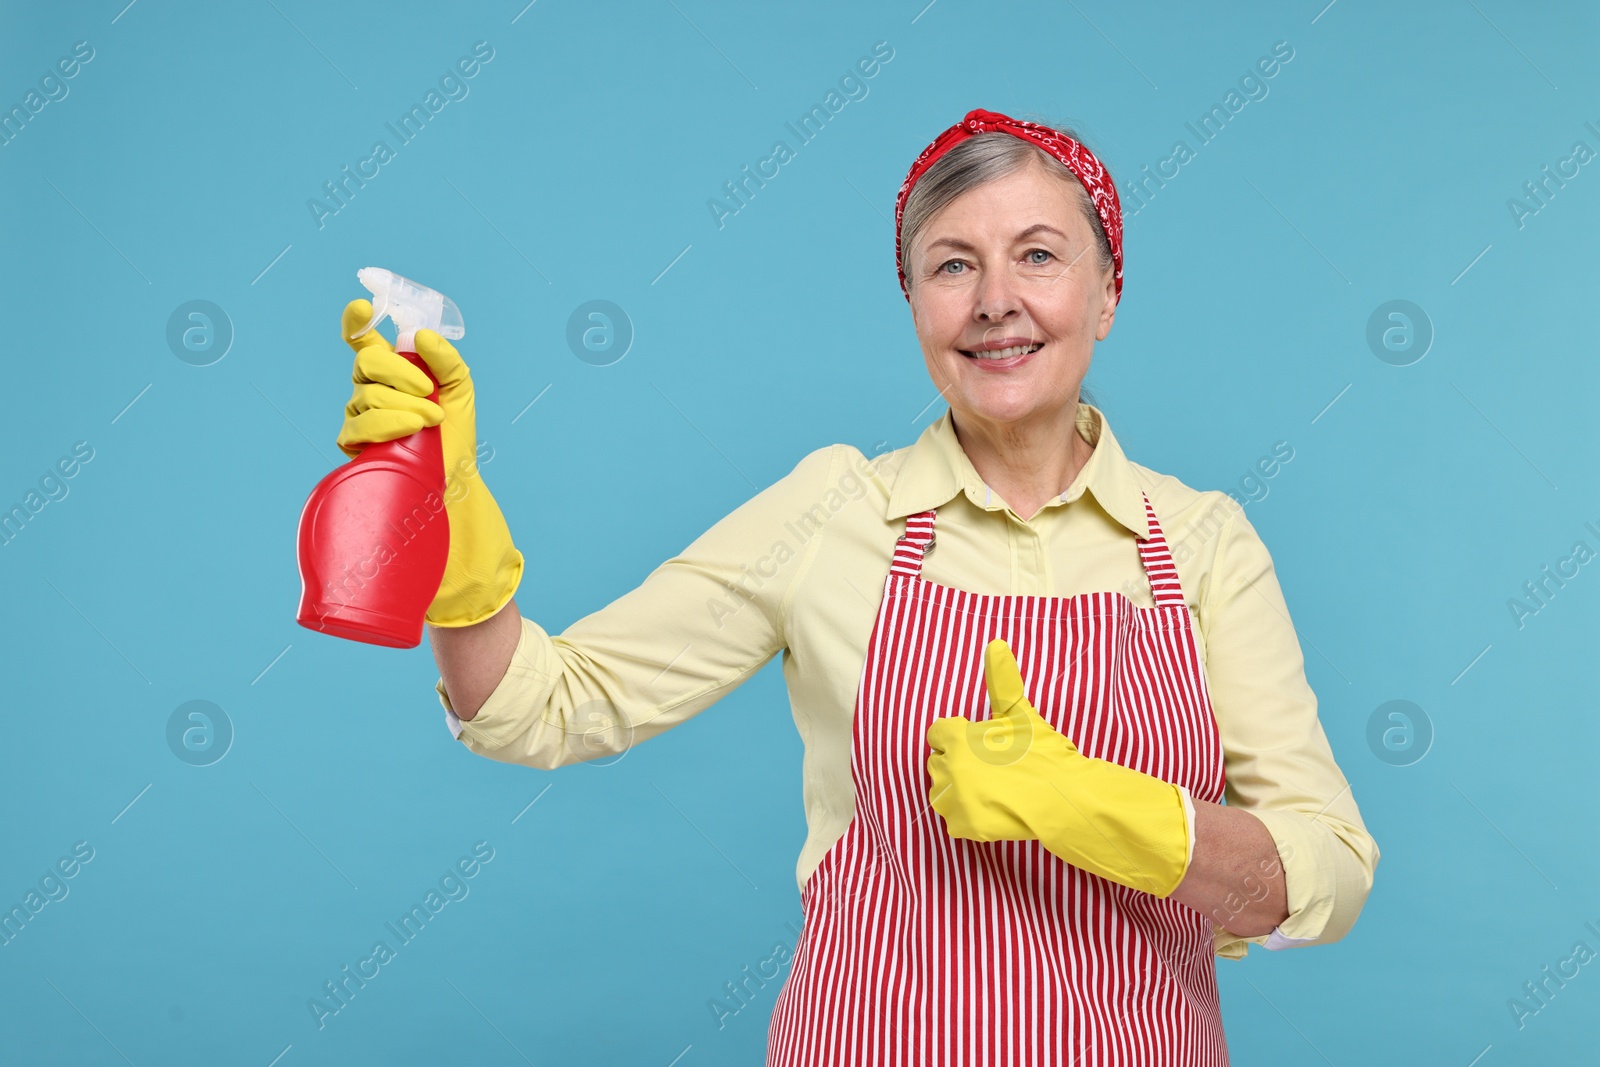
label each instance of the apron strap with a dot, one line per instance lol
(1158, 564)
(913, 544)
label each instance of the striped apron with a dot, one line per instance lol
(919, 948)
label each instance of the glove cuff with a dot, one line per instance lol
(484, 568)
(1124, 825)
(472, 600)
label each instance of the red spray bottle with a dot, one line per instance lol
(374, 534)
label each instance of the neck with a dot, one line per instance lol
(1025, 463)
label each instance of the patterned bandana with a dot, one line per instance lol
(1074, 156)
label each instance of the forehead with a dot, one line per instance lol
(1008, 206)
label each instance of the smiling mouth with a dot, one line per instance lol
(1003, 353)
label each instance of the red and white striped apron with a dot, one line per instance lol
(922, 949)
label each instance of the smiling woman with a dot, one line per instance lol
(1011, 280)
(1052, 770)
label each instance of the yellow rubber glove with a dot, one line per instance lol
(390, 401)
(1015, 778)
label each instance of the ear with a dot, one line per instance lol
(1108, 306)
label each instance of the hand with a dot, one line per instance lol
(1014, 777)
(390, 401)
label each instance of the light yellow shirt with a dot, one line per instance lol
(799, 569)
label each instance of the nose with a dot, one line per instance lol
(996, 297)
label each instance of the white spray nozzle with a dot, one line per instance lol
(410, 306)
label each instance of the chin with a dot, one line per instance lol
(997, 409)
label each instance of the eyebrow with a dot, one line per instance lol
(1038, 227)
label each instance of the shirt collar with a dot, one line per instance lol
(937, 469)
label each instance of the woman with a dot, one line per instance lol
(1017, 746)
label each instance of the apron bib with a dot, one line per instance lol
(917, 948)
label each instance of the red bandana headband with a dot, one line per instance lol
(1074, 156)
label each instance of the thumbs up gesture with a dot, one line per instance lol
(1014, 777)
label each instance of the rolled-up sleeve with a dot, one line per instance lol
(698, 626)
(1279, 765)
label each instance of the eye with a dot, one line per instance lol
(947, 263)
(1039, 252)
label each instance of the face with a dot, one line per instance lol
(1010, 264)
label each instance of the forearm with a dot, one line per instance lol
(1235, 876)
(473, 659)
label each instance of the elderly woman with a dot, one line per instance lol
(1053, 768)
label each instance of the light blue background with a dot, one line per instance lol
(1378, 167)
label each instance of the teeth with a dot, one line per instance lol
(1006, 353)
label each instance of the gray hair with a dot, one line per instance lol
(978, 160)
(985, 158)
